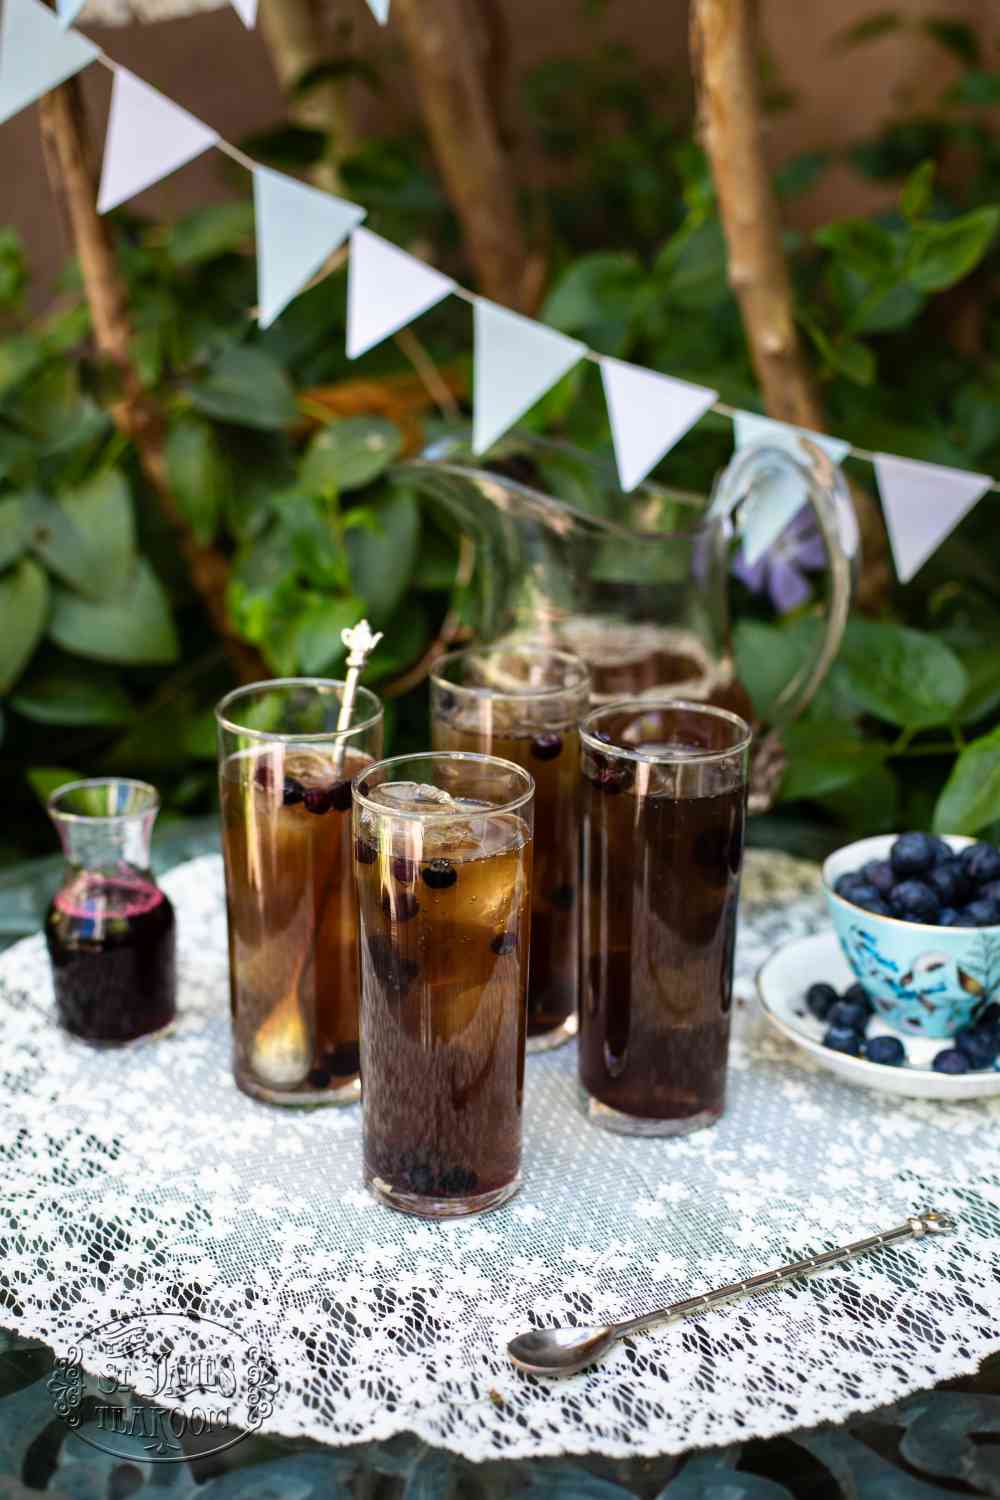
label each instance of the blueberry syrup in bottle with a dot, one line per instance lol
(110, 929)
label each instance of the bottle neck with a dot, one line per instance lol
(106, 844)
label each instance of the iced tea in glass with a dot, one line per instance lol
(442, 854)
(523, 702)
(285, 786)
(664, 804)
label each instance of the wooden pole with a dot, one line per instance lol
(136, 414)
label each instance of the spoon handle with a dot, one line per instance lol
(913, 1228)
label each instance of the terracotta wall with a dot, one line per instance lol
(213, 66)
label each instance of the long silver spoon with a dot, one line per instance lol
(564, 1351)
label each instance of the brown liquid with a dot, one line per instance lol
(293, 943)
(444, 970)
(661, 882)
(554, 976)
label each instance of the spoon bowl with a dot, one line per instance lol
(560, 1351)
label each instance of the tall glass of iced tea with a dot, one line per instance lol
(443, 861)
(523, 702)
(664, 800)
(285, 784)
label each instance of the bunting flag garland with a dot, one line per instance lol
(36, 54)
(649, 413)
(769, 509)
(68, 10)
(922, 504)
(247, 12)
(516, 362)
(386, 289)
(379, 9)
(298, 228)
(148, 138)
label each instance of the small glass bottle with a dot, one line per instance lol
(110, 929)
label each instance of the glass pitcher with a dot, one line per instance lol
(635, 584)
(109, 929)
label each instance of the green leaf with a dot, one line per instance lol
(801, 173)
(20, 357)
(349, 454)
(982, 666)
(310, 525)
(381, 561)
(958, 37)
(318, 646)
(824, 756)
(866, 246)
(44, 780)
(941, 254)
(918, 190)
(12, 530)
(135, 626)
(845, 356)
(886, 308)
(868, 805)
(971, 795)
(596, 297)
(211, 232)
(977, 89)
(769, 656)
(101, 510)
(247, 387)
(870, 29)
(24, 605)
(72, 698)
(13, 272)
(902, 675)
(196, 470)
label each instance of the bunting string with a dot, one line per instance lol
(517, 360)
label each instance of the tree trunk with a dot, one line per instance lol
(442, 47)
(295, 40)
(725, 48)
(135, 412)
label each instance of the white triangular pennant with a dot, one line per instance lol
(649, 414)
(386, 289)
(148, 138)
(35, 54)
(922, 504)
(769, 509)
(380, 10)
(247, 12)
(68, 11)
(298, 227)
(517, 360)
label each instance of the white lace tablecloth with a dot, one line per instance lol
(141, 1180)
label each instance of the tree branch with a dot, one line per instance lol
(135, 412)
(463, 130)
(294, 38)
(725, 49)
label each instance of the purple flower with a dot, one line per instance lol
(798, 550)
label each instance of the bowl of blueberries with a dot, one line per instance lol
(918, 920)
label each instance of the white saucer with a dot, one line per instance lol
(782, 984)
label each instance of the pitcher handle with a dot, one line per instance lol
(828, 494)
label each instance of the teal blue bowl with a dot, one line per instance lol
(923, 980)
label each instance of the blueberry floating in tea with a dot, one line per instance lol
(504, 942)
(365, 853)
(340, 796)
(547, 746)
(439, 874)
(292, 792)
(400, 906)
(404, 870)
(317, 800)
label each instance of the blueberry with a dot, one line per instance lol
(292, 791)
(317, 800)
(439, 874)
(340, 796)
(942, 849)
(563, 897)
(547, 746)
(912, 854)
(446, 701)
(981, 863)
(990, 891)
(392, 970)
(319, 1078)
(887, 1050)
(843, 1039)
(457, 1180)
(860, 893)
(951, 1060)
(403, 869)
(949, 882)
(504, 942)
(611, 778)
(915, 901)
(875, 905)
(880, 874)
(979, 1043)
(264, 775)
(845, 884)
(856, 994)
(401, 906)
(365, 853)
(848, 1015)
(948, 917)
(820, 998)
(422, 1180)
(979, 914)
(989, 1015)
(344, 1061)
